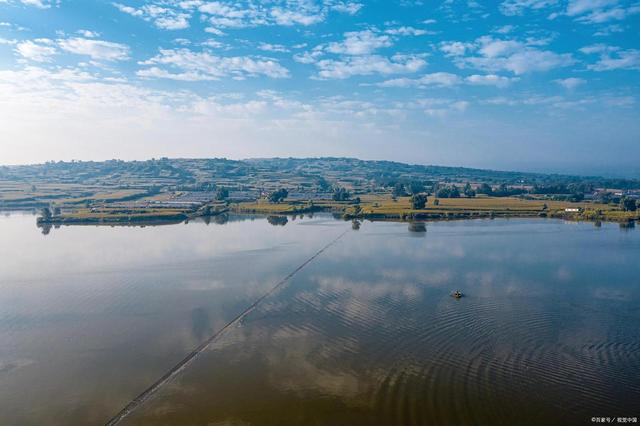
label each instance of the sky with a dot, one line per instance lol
(540, 85)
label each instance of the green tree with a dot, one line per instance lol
(45, 213)
(628, 204)
(322, 183)
(278, 196)
(418, 201)
(399, 190)
(485, 189)
(222, 193)
(448, 192)
(340, 194)
(416, 187)
(468, 191)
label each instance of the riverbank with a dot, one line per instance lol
(139, 216)
(368, 207)
(380, 207)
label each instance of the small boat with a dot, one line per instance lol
(457, 294)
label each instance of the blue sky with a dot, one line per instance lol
(544, 85)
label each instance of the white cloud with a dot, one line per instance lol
(364, 42)
(214, 44)
(620, 59)
(439, 79)
(455, 48)
(163, 17)
(406, 31)
(442, 79)
(97, 117)
(38, 50)
(368, 65)
(356, 56)
(88, 33)
(41, 4)
(561, 102)
(571, 82)
(350, 8)
(445, 79)
(215, 31)
(613, 14)
(490, 80)
(184, 64)
(182, 41)
(32, 78)
(175, 14)
(268, 47)
(600, 11)
(509, 55)
(309, 57)
(519, 7)
(288, 17)
(8, 42)
(505, 29)
(609, 29)
(598, 48)
(585, 11)
(98, 50)
(578, 7)
(437, 107)
(492, 48)
(233, 16)
(612, 57)
(173, 22)
(359, 43)
(525, 61)
(42, 49)
(128, 9)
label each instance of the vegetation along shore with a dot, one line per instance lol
(175, 190)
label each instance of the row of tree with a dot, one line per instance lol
(339, 194)
(278, 196)
(401, 189)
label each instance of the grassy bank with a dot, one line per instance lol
(114, 216)
(372, 207)
(382, 207)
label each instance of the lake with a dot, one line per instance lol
(548, 330)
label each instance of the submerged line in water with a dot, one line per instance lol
(176, 369)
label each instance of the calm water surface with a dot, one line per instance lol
(548, 333)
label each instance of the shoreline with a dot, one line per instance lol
(406, 217)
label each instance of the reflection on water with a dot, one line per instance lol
(90, 316)
(277, 220)
(368, 334)
(417, 227)
(201, 324)
(548, 333)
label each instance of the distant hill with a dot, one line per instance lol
(180, 171)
